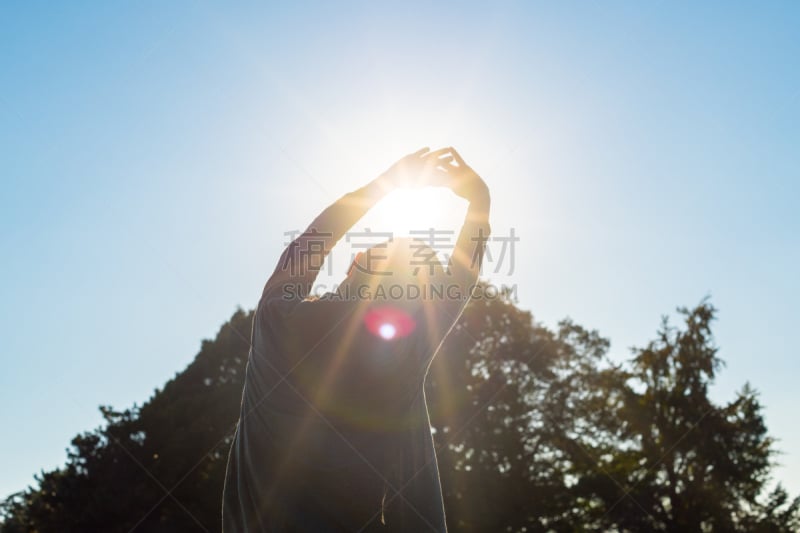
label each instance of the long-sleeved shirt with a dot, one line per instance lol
(334, 433)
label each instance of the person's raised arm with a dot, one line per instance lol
(465, 263)
(301, 261)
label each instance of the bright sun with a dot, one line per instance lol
(407, 211)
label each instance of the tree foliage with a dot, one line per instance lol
(536, 430)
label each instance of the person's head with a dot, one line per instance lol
(399, 269)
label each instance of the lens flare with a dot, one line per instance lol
(387, 331)
(389, 322)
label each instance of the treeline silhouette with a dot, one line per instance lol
(536, 430)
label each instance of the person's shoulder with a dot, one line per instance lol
(329, 300)
(284, 307)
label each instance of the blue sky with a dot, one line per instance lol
(152, 157)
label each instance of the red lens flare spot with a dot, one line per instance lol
(389, 322)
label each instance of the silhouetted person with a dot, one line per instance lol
(333, 433)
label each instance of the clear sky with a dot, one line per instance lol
(153, 154)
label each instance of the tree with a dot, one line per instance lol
(692, 465)
(158, 467)
(536, 430)
(508, 400)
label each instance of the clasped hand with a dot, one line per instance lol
(438, 168)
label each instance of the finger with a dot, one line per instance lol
(433, 160)
(434, 170)
(421, 152)
(443, 173)
(447, 167)
(438, 153)
(459, 160)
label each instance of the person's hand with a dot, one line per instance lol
(420, 169)
(462, 180)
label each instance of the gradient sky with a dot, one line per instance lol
(153, 155)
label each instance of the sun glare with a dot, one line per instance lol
(407, 212)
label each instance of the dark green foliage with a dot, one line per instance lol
(536, 431)
(159, 467)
